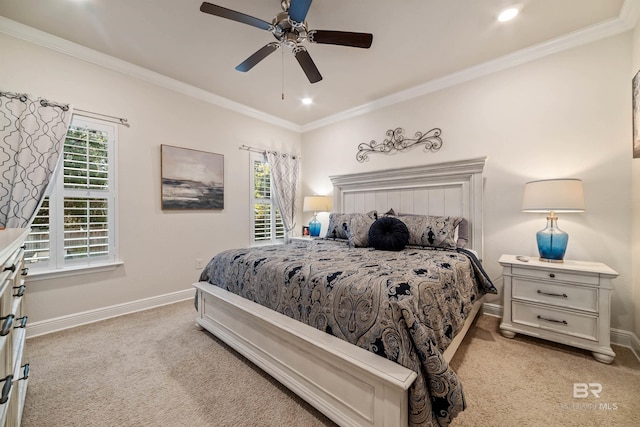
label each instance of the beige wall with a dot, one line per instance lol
(566, 115)
(158, 248)
(636, 196)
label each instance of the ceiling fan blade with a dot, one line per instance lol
(343, 38)
(298, 10)
(307, 64)
(223, 12)
(262, 53)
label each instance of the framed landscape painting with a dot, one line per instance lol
(636, 116)
(191, 179)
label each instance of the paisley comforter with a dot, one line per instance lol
(405, 306)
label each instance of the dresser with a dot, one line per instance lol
(13, 371)
(567, 302)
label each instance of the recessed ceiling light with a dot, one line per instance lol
(307, 101)
(508, 14)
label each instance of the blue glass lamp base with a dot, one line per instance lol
(314, 227)
(552, 242)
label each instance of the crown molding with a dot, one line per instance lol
(626, 20)
(32, 35)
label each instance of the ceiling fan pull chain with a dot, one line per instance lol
(282, 74)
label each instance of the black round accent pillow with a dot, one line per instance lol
(388, 234)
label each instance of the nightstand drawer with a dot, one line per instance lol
(576, 297)
(564, 322)
(560, 276)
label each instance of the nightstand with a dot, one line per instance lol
(567, 302)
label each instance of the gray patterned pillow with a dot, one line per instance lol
(432, 231)
(463, 234)
(339, 222)
(358, 231)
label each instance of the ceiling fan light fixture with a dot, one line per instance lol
(508, 14)
(289, 28)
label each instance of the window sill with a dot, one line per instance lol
(267, 243)
(37, 275)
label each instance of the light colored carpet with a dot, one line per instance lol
(154, 368)
(526, 381)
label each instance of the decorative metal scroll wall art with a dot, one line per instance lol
(396, 142)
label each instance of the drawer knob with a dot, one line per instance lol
(552, 275)
(563, 322)
(12, 268)
(552, 295)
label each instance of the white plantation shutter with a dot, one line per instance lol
(266, 222)
(39, 240)
(75, 225)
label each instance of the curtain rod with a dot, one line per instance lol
(120, 120)
(253, 149)
(65, 107)
(260, 150)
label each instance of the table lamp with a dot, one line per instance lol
(551, 196)
(315, 204)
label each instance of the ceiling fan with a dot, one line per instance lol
(290, 29)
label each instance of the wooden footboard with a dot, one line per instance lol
(350, 385)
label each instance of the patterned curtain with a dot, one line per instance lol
(32, 133)
(284, 173)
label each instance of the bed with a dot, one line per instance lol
(364, 335)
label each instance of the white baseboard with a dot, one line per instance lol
(626, 339)
(71, 321)
(492, 309)
(618, 336)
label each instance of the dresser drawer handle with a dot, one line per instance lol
(8, 382)
(6, 389)
(12, 268)
(552, 275)
(6, 326)
(20, 292)
(564, 322)
(25, 372)
(552, 295)
(22, 324)
(25, 271)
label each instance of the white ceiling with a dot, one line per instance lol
(415, 42)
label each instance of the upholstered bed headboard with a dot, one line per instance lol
(446, 189)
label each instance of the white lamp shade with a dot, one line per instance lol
(558, 195)
(316, 204)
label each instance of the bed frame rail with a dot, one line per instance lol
(350, 385)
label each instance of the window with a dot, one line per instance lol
(75, 225)
(266, 223)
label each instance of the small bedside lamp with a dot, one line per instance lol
(315, 204)
(551, 196)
